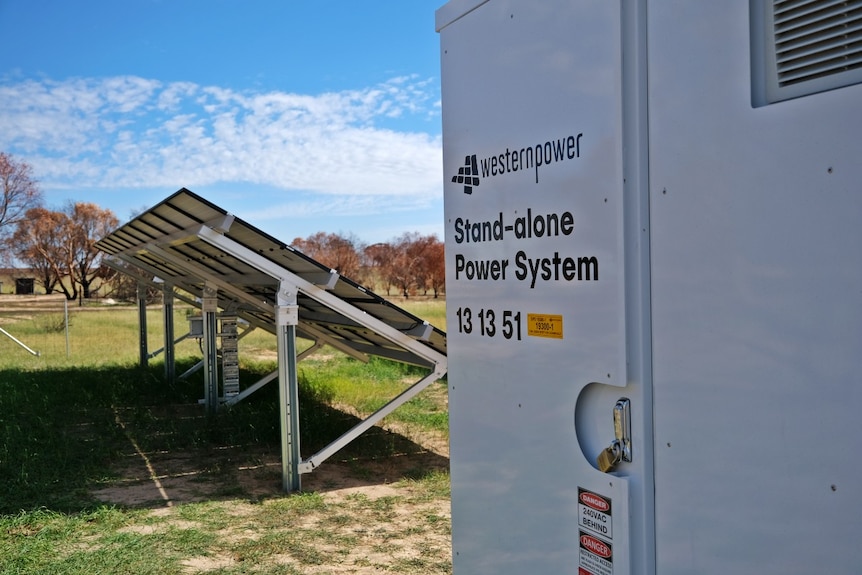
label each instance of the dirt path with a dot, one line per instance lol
(371, 514)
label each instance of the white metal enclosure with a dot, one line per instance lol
(756, 306)
(630, 214)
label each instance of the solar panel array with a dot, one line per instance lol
(168, 242)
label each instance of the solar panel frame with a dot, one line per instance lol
(165, 241)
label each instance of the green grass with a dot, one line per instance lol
(284, 535)
(60, 440)
(368, 387)
(96, 336)
(428, 308)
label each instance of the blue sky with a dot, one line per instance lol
(296, 116)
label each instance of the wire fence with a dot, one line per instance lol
(48, 331)
(34, 325)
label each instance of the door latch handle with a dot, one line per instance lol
(620, 448)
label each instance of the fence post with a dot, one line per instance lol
(66, 325)
(142, 323)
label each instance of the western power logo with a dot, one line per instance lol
(468, 174)
(516, 160)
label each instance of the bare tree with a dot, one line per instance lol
(436, 265)
(417, 264)
(38, 243)
(380, 258)
(336, 251)
(123, 285)
(412, 262)
(62, 246)
(19, 194)
(406, 262)
(88, 223)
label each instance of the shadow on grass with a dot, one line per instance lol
(72, 440)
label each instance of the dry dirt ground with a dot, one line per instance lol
(377, 518)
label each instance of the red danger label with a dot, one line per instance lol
(595, 555)
(597, 502)
(596, 546)
(595, 513)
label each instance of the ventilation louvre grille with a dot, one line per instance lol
(803, 47)
(816, 38)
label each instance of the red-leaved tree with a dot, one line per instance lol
(61, 246)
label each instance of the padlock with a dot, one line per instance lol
(609, 457)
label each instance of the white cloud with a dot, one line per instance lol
(130, 132)
(171, 97)
(128, 93)
(331, 206)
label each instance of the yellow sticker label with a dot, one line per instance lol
(544, 325)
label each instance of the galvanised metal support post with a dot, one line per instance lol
(286, 319)
(142, 324)
(168, 315)
(210, 320)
